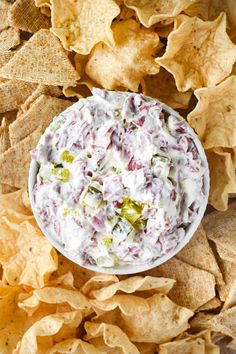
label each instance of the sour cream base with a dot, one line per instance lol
(119, 179)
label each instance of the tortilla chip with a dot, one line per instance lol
(98, 281)
(198, 60)
(222, 178)
(220, 228)
(12, 319)
(17, 201)
(9, 38)
(112, 335)
(162, 86)
(135, 284)
(198, 253)
(53, 295)
(231, 298)
(5, 56)
(83, 24)
(207, 336)
(41, 60)
(53, 91)
(13, 93)
(45, 107)
(15, 161)
(81, 90)
(4, 136)
(26, 255)
(125, 64)
(195, 346)
(48, 326)
(201, 321)
(210, 305)
(25, 16)
(75, 346)
(150, 12)
(194, 287)
(210, 9)
(161, 322)
(213, 117)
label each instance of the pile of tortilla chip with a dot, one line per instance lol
(53, 52)
(50, 305)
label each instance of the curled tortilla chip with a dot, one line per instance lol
(133, 284)
(128, 304)
(13, 93)
(26, 255)
(162, 86)
(82, 24)
(198, 253)
(210, 9)
(198, 60)
(162, 321)
(46, 107)
(222, 178)
(41, 60)
(75, 346)
(98, 281)
(81, 90)
(113, 336)
(125, 64)
(53, 295)
(47, 327)
(17, 201)
(25, 16)
(15, 161)
(9, 38)
(150, 12)
(214, 116)
(193, 288)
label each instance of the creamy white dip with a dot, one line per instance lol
(119, 179)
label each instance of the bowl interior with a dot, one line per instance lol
(190, 229)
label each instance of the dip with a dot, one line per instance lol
(119, 179)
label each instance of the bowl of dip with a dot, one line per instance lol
(118, 182)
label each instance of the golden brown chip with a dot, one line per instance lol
(194, 346)
(26, 255)
(51, 326)
(210, 305)
(81, 90)
(5, 188)
(150, 12)
(9, 38)
(13, 93)
(53, 91)
(222, 178)
(161, 322)
(5, 56)
(17, 201)
(4, 136)
(210, 9)
(15, 161)
(46, 108)
(162, 86)
(194, 287)
(198, 253)
(41, 60)
(54, 295)
(125, 64)
(82, 24)
(126, 13)
(133, 284)
(199, 58)
(214, 116)
(97, 282)
(201, 321)
(207, 336)
(112, 335)
(25, 16)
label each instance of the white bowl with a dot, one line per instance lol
(129, 269)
